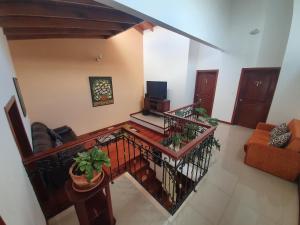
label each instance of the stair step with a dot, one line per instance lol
(144, 174)
(153, 186)
(132, 166)
(135, 165)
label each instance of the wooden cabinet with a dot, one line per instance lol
(156, 105)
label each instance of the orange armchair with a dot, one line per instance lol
(281, 162)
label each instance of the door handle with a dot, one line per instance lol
(241, 99)
(200, 100)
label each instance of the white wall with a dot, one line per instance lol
(165, 59)
(241, 52)
(18, 204)
(278, 17)
(265, 49)
(286, 105)
(206, 20)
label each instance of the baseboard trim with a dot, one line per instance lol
(222, 121)
(132, 114)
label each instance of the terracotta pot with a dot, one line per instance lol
(82, 183)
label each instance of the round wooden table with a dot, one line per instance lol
(93, 207)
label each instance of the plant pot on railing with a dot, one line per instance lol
(86, 173)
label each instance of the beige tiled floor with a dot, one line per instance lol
(230, 194)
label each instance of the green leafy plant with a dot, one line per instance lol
(204, 117)
(201, 112)
(190, 131)
(88, 162)
(216, 143)
(176, 139)
(213, 121)
(179, 113)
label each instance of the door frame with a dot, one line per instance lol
(242, 76)
(216, 71)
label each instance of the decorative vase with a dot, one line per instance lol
(80, 182)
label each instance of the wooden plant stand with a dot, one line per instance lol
(93, 207)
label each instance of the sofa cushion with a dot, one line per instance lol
(259, 136)
(41, 139)
(281, 140)
(279, 130)
(39, 127)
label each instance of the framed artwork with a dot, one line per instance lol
(20, 97)
(101, 91)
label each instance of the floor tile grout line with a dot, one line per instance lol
(227, 205)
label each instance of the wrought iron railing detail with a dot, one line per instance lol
(169, 180)
(168, 174)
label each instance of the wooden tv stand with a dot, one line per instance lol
(156, 105)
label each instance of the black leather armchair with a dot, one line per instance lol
(53, 170)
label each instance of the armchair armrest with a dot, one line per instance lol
(265, 126)
(268, 152)
(62, 130)
(66, 133)
(267, 147)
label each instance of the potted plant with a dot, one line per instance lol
(190, 131)
(203, 117)
(176, 140)
(86, 172)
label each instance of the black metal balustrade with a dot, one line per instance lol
(186, 113)
(167, 178)
(169, 174)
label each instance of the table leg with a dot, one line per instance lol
(109, 205)
(82, 213)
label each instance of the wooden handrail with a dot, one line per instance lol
(170, 114)
(93, 135)
(183, 107)
(81, 140)
(188, 120)
(157, 145)
(189, 146)
(182, 152)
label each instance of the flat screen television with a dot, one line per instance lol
(157, 89)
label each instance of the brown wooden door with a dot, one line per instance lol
(1, 221)
(206, 81)
(255, 94)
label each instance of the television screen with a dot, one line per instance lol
(157, 89)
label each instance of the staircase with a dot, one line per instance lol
(140, 169)
(125, 158)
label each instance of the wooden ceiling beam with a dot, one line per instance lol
(66, 11)
(37, 31)
(42, 22)
(53, 36)
(141, 27)
(81, 2)
(73, 2)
